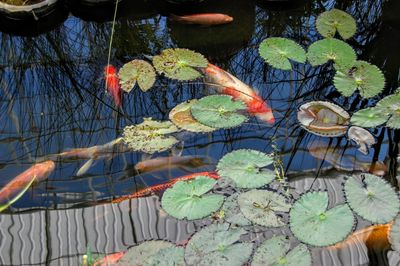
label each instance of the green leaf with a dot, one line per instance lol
(179, 63)
(232, 213)
(369, 117)
(18, 196)
(275, 252)
(335, 20)
(366, 78)
(277, 52)
(390, 104)
(372, 198)
(394, 237)
(136, 255)
(219, 111)
(394, 121)
(259, 206)
(313, 224)
(171, 256)
(137, 71)
(246, 168)
(182, 117)
(188, 199)
(217, 245)
(320, 52)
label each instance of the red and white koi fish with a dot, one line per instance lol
(161, 163)
(111, 259)
(112, 84)
(230, 85)
(206, 19)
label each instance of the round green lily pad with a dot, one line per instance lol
(217, 244)
(136, 255)
(276, 251)
(179, 63)
(259, 206)
(390, 104)
(219, 111)
(278, 51)
(394, 237)
(232, 213)
(366, 78)
(312, 223)
(136, 71)
(171, 256)
(335, 20)
(246, 168)
(369, 117)
(188, 199)
(372, 198)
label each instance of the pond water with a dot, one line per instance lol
(53, 99)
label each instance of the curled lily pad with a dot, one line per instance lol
(217, 244)
(276, 251)
(179, 63)
(246, 168)
(335, 20)
(171, 256)
(362, 137)
(188, 199)
(277, 52)
(259, 206)
(364, 77)
(369, 117)
(135, 256)
(336, 50)
(312, 223)
(219, 111)
(136, 71)
(232, 213)
(182, 117)
(372, 198)
(394, 237)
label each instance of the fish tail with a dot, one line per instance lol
(176, 18)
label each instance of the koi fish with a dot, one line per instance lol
(230, 85)
(39, 172)
(161, 163)
(161, 187)
(112, 84)
(109, 259)
(206, 19)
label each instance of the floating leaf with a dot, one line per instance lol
(182, 117)
(277, 52)
(18, 196)
(336, 50)
(217, 245)
(336, 20)
(219, 111)
(369, 117)
(362, 137)
(313, 224)
(188, 199)
(179, 63)
(135, 256)
(232, 213)
(394, 121)
(137, 71)
(372, 198)
(366, 78)
(275, 251)
(259, 206)
(394, 237)
(172, 256)
(246, 168)
(390, 104)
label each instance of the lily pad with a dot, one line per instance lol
(390, 104)
(364, 77)
(135, 256)
(171, 256)
(312, 223)
(394, 121)
(246, 168)
(188, 199)
(217, 244)
(320, 52)
(335, 20)
(179, 63)
(362, 137)
(394, 237)
(372, 198)
(369, 117)
(137, 71)
(260, 207)
(232, 213)
(219, 111)
(277, 52)
(276, 251)
(182, 117)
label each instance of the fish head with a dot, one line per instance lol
(110, 70)
(44, 169)
(228, 19)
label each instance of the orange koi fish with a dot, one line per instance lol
(39, 171)
(109, 259)
(161, 187)
(161, 163)
(112, 84)
(206, 19)
(230, 85)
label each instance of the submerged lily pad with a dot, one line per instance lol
(219, 111)
(135, 256)
(336, 50)
(335, 20)
(277, 52)
(394, 237)
(312, 223)
(259, 206)
(179, 63)
(137, 71)
(372, 198)
(188, 199)
(232, 213)
(369, 117)
(246, 168)
(276, 251)
(217, 244)
(172, 256)
(368, 79)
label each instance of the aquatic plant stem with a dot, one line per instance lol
(112, 35)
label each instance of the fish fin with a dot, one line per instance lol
(85, 167)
